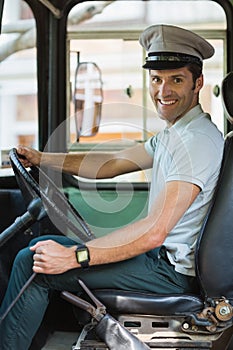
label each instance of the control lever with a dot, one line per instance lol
(35, 211)
(109, 330)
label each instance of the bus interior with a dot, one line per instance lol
(71, 81)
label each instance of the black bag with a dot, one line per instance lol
(116, 336)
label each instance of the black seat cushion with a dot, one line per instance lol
(120, 301)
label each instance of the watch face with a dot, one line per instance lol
(82, 255)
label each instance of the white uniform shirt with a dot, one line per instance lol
(190, 150)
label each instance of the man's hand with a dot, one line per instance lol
(29, 156)
(53, 258)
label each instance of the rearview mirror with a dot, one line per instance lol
(88, 98)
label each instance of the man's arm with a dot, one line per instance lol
(90, 164)
(127, 242)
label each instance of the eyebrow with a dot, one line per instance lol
(170, 76)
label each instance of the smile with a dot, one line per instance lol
(167, 103)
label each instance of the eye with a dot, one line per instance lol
(155, 79)
(178, 80)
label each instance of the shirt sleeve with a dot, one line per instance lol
(193, 160)
(150, 145)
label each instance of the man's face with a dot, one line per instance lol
(173, 92)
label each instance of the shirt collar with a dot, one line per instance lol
(190, 115)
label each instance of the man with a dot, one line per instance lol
(156, 253)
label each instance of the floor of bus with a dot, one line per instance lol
(61, 341)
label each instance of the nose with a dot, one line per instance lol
(165, 89)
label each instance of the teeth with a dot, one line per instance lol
(167, 102)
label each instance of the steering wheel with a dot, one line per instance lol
(34, 183)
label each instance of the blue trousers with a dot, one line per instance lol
(150, 272)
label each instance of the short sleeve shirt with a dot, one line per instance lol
(190, 150)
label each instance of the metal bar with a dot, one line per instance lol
(57, 13)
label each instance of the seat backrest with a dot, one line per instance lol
(214, 254)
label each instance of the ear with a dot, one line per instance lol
(199, 83)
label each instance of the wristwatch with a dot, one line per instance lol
(82, 256)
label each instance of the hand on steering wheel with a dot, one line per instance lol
(60, 211)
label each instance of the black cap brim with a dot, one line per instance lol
(158, 65)
(169, 60)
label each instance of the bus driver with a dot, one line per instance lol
(156, 253)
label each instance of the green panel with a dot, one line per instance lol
(107, 210)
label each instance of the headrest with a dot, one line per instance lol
(227, 96)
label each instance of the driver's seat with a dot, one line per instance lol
(191, 321)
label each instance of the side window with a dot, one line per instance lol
(120, 63)
(18, 92)
(214, 70)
